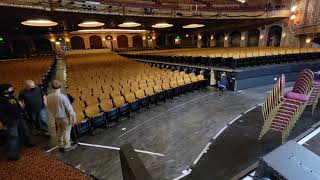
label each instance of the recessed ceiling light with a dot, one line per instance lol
(39, 23)
(129, 24)
(162, 25)
(91, 24)
(193, 26)
(110, 30)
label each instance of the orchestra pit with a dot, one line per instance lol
(160, 89)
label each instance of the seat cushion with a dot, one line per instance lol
(297, 96)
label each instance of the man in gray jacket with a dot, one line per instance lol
(61, 109)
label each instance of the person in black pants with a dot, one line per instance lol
(11, 115)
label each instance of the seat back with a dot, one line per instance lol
(92, 110)
(119, 101)
(140, 94)
(80, 117)
(130, 97)
(114, 94)
(165, 86)
(304, 82)
(173, 84)
(149, 91)
(157, 88)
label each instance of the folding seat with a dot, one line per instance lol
(181, 84)
(121, 105)
(158, 82)
(175, 88)
(114, 94)
(134, 88)
(202, 81)
(143, 99)
(143, 86)
(95, 115)
(82, 125)
(91, 100)
(161, 93)
(131, 99)
(78, 105)
(169, 92)
(153, 97)
(125, 91)
(151, 84)
(194, 81)
(188, 83)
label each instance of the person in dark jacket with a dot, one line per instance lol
(11, 116)
(35, 102)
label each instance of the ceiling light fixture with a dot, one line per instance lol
(91, 24)
(129, 24)
(39, 23)
(109, 30)
(189, 26)
(294, 8)
(162, 25)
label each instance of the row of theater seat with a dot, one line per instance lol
(39, 69)
(230, 62)
(117, 87)
(132, 49)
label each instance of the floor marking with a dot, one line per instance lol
(118, 149)
(309, 136)
(205, 149)
(163, 113)
(218, 134)
(249, 110)
(239, 116)
(183, 174)
(52, 149)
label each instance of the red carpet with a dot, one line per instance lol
(36, 164)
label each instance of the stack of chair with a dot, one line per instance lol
(281, 109)
(315, 95)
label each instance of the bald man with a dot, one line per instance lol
(35, 102)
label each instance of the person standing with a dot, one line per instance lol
(35, 102)
(11, 116)
(61, 109)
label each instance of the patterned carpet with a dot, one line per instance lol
(36, 164)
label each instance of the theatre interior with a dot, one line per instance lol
(162, 89)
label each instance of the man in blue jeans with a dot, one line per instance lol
(11, 116)
(35, 102)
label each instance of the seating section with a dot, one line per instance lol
(281, 109)
(107, 86)
(17, 71)
(228, 57)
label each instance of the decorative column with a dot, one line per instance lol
(130, 41)
(244, 39)
(86, 42)
(199, 40)
(263, 37)
(145, 43)
(212, 40)
(226, 40)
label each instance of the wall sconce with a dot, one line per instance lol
(53, 40)
(109, 37)
(103, 39)
(308, 40)
(67, 39)
(57, 43)
(153, 37)
(144, 38)
(226, 38)
(293, 17)
(261, 36)
(211, 37)
(114, 39)
(187, 35)
(242, 38)
(294, 8)
(199, 37)
(284, 34)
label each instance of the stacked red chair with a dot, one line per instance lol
(315, 95)
(281, 109)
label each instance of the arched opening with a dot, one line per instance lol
(137, 41)
(161, 40)
(77, 42)
(235, 39)
(274, 36)
(253, 37)
(186, 41)
(95, 42)
(122, 41)
(21, 47)
(42, 45)
(219, 40)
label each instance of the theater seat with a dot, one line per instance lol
(131, 99)
(151, 94)
(161, 94)
(94, 114)
(122, 106)
(143, 99)
(106, 106)
(82, 125)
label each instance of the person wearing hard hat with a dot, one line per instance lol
(11, 116)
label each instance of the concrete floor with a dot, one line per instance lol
(179, 129)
